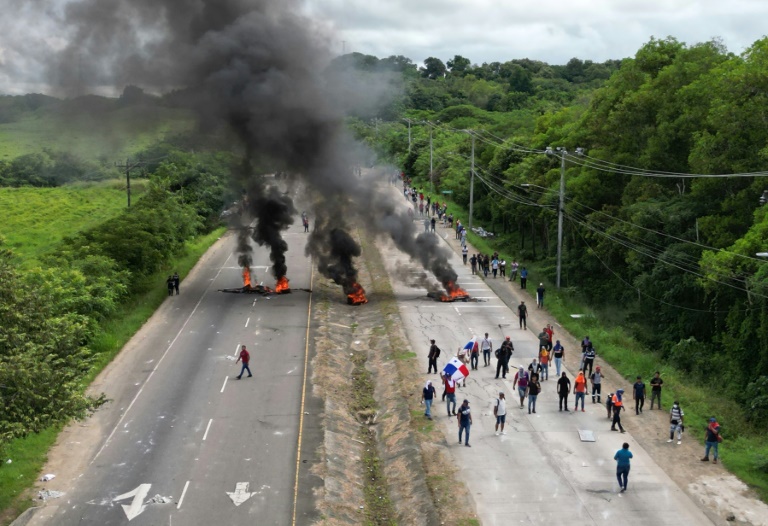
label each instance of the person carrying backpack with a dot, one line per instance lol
(503, 354)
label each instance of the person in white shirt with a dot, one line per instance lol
(500, 412)
(486, 345)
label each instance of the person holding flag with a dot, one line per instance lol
(456, 370)
(464, 353)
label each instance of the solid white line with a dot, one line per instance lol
(205, 435)
(247, 322)
(226, 378)
(183, 492)
(237, 348)
(152, 373)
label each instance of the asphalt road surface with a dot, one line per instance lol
(181, 426)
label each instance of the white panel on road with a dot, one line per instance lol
(587, 435)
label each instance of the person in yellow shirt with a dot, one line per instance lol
(544, 361)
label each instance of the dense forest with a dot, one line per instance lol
(672, 256)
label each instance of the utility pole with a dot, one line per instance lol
(472, 182)
(431, 180)
(561, 207)
(128, 167)
(409, 135)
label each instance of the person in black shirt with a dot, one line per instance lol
(638, 393)
(464, 418)
(522, 312)
(169, 282)
(656, 383)
(502, 360)
(176, 280)
(563, 388)
(434, 353)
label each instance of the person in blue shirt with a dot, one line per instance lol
(622, 457)
(523, 278)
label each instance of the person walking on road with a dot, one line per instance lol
(638, 395)
(589, 359)
(676, 423)
(427, 396)
(244, 357)
(522, 313)
(494, 267)
(486, 345)
(544, 362)
(176, 281)
(656, 383)
(534, 388)
(559, 353)
(464, 253)
(503, 268)
(450, 394)
(434, 354)
(618, 405)
(712, 440)
(523, 278)
(580, 390)
(513, 270)
(169, 283)
(503, 356)
(540, 296)
(544, 339)
(563, 389)
(597, 384)
(464, 418)
(500, 412)
(521, 382)
(473, 263)
(622, 458)
(474, 356)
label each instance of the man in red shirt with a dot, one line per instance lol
(245, 357)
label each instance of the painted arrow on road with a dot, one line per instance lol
(137, 504)
(241, 493)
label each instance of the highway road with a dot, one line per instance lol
(181, 426)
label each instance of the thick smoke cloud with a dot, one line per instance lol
(260, 69)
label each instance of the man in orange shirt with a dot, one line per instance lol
(580, 390)
(544, 361)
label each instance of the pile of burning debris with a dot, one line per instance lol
(282, 286)
(454, 293)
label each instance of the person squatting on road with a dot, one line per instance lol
(622, 457)
(580, 390)
(618, 405)
(559, 352)
(503, 354)
(464, 419)
(500, 412)
(656, 383)
(486, 345)
(534, 388)
(676, 423)
(597, 384)
(450, 394)
(522, 312)
(563, 389)
(521, 382)
(244, 357)
(638, 395)
(434, 353)
(427, 396)
(712, 440)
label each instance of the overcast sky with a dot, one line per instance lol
(550, 30)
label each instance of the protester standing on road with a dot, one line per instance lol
(544, 362)
(534, 367)
(534, 388)
(473, 263)
(450, 394)
(513, 268)
(622, 457)
(712, 440)
(464, 419)
(427, 395)
(609, 405)
(494, 267)
(589, 358)
(522, 312)
(563, 389)
(521, 382)
(500, 412)
(676, 423)
(656, 383)
(432, 224)
(486, 345)
(551, 333)
(503, 356)
(638, 395)
(244, 357)
(597, 383)
(559, 352)
(618, 405)
(503, 268)
(176, 281)
(540, 296)
(169, 283)
(464, 253)
(544, 339)
(434, 353)
(523, 278)
(580, 390)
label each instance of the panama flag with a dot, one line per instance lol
(471, 345)
(455, 370)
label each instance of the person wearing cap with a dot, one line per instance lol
(540, 296)
(522, 313)
(464, 419)
(502, 359)
(597, 383)
(500, 412)
(712, 440)
(622, 458)
(618, 405)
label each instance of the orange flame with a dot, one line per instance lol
(282, 285)
(357, 296)
(246, 277)
(454, 292)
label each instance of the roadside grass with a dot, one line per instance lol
(34, 220)
(109, 135)
(744, 450)
(29, 454)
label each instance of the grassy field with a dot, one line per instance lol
(34, 220)
(109, 135)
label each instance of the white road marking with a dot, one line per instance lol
(137, 504)
(183, 492)
(208, 427)
(226, 379)
(241, 493)
(152, 373)
(247, 322)
(237, 348)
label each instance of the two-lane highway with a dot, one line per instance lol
(224, 450)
